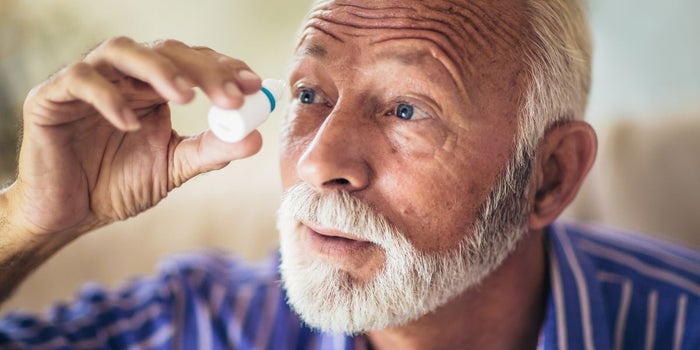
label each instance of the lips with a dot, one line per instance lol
(331, 233)
(333, 243)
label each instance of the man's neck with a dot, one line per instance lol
(505, 312)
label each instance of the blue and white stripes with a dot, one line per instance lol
(608, 290)
(616, 290)
(198, 301)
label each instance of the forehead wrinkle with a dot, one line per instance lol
(477, 26)
(465, 26)
(315, 50)
(442, 39)
(471, 13)
(378, 6)
(464, 35)
(447, 62)
(405, 57)
(441, 32)
(312, 24)
(457, 66)
(416, 58)
(474, 14)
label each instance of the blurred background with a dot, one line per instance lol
(645, 103)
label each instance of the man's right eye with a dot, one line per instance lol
(307, 96)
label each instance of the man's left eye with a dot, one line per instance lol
(307, 96)
(404, 111)
(408, 111)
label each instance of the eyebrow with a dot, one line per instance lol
(315, 50)
(405, 57)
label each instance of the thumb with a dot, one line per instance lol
(205, 152)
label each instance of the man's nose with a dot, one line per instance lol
(336, 158)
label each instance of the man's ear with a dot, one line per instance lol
(563, 159)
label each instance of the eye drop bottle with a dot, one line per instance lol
(233, 125)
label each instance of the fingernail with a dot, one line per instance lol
(182, 84)
(248, 76)
(232, 89)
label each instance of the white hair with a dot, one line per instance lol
(411, 283)
(558, 58)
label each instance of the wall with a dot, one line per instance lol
(647, 58)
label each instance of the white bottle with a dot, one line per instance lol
(233, 125)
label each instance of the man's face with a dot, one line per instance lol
(407, 107)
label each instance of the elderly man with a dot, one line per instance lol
(429, 148)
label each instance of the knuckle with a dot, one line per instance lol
(204, 49)
(165, 67)
(109, 45)
(228, 66)
(109, 97)
(117, 42)
(77, 71)
(167, 44)
(226, 60)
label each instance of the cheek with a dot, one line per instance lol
(435, 185)
(297, 133)
(415, 139)
(431, 206)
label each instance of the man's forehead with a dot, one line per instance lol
(399, 53)
(463, 29)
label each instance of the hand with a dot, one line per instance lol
(98, 145)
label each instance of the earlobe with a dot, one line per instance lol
(564, 157)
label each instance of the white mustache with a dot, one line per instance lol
(340, 211)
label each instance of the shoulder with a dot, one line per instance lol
(647, 260)
(646, 290)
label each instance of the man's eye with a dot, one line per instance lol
(307, 96)
(404, 111)
(408, 111)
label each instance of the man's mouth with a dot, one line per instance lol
(331, 233)
(333, 243)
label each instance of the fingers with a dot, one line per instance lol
(224, 79)
(136, 61)
(205, 152)
(169, 68)
(87, 85)
(82, 82)
(173, 68)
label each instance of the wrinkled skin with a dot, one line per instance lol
(427, 175)
(461, 65)
(462, 69)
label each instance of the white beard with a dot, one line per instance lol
(411, 283)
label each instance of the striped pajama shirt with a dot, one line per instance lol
(608, 289)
